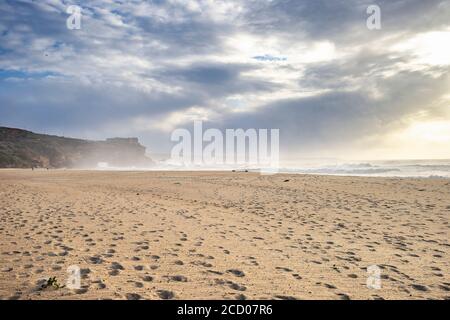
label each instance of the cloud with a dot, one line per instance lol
(310, 68)
(327, 124)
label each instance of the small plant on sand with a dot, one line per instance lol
(52, 282)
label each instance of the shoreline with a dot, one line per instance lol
(231, 172)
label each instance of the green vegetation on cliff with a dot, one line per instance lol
(24, 149)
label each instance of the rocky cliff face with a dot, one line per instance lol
(24, 149)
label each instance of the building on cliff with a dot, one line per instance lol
(24, 149)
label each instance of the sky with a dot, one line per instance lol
(313, 69)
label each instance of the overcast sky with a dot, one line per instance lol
(312, 68)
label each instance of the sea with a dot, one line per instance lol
(378, 168)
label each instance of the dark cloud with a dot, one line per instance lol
(69, 105)
(214, 80)
(338, 118)
(344, 21)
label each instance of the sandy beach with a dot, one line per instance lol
(222, 235)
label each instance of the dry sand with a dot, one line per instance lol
(183, 235)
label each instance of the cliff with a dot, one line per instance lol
(24, 149)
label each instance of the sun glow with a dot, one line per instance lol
(432, 48)
(420, 140)
(436, 131)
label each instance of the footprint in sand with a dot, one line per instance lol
(343, 296)
(116, 266)
(132, 296)
(81, 290)
(95, 260)
(178, 278)
(236, 286)
(419, 287)
(165, 294)
(280, 297)
(113, 272)
(329, 286)
(101, 285)
(236, 272)
(147, 278)
(283, 269)
(84, 272)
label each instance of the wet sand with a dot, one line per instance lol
(217, 235)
